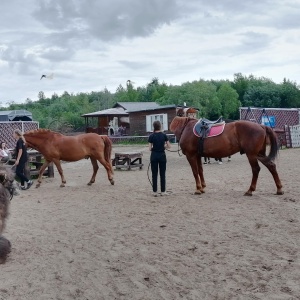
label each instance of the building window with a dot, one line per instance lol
(163, 118)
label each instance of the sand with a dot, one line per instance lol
(120, 242)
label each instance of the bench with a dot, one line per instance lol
(128, 160)
(34, 164)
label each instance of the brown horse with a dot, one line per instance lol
(56, 147)
(239, 136)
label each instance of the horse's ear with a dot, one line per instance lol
(178, 122)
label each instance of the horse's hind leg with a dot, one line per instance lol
(95, 170)
(271, 166)
(255, 171)
(108, 166)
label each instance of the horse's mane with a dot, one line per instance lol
(41, 131)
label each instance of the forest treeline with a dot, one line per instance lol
(214, 98)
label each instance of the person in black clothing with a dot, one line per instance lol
(21, 159)
(158, 142)
(206, 160)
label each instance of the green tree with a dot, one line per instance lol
(229, 100)
(267, 95)
(289, 94)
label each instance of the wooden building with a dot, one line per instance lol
(130, 118)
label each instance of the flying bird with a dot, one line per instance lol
(47, 76)
(129, 82)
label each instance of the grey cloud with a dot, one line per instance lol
(134, 65)
(253, 41)
(15, 55)
(247, 43)
(287, 21)
(214, 17)
(107, 20)
(57, 54)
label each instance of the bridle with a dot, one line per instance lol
(184, 125)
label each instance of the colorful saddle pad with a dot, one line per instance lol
(209, 130)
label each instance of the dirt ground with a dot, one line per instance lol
(120, 242)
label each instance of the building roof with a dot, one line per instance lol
(13, 115)
(124, 108)
(141, 106)
(269, 108)
(107, 112)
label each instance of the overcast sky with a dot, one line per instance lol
(92, 44)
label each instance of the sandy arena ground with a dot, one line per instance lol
(120, 242)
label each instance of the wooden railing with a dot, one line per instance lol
(34, 163)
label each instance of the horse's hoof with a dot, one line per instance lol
(62, 185)
(197, 192)
(37, 185)
(112, 182)
(280, 193)
(90, 183)
(248, 194)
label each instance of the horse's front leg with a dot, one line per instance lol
(60, 171)
(194, 165)
(41, 172)
(255, 171)
(95, 170)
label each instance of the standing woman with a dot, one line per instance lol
(158, 142)
(21, 159)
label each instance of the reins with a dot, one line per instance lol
(148, 174)
(179, 149)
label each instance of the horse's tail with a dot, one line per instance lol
(273, 142)
(107, 148)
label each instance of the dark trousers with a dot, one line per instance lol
(206, 159)
(158, 161)
(20, 172)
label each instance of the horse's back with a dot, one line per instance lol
(247, 128)
(73, 148)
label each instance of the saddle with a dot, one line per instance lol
(205, 128)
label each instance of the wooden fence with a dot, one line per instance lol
(292, 136)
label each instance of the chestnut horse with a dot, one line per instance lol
(56, 147)
(239, 136)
